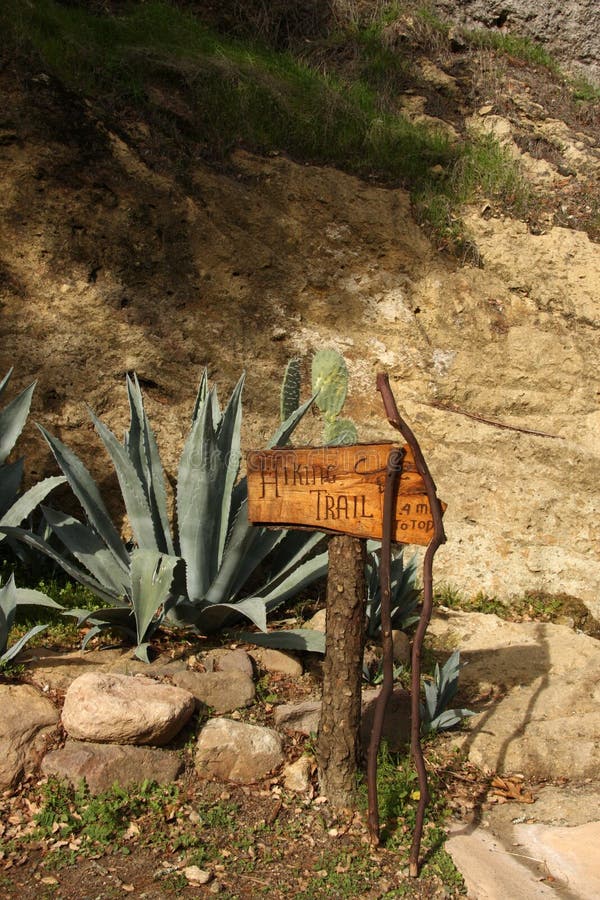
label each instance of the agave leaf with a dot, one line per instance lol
(32, 540)
(11, 475)
(291, 639)
(8, 607)
(5, 381)
(30, 499)
(200, 485)
(284, 432)
(215, 616)
(86, 491)
(12, 420)
(18, 646)
(292, 549)
(229, 444)
(91, 634)
(246, 548)
(90, 550)
(201, 395)
(276, 594)
(142, 652)
(31, 597)
(136, 503)
(142, 449)
(151, 578)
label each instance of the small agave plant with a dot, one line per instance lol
(14, 506)
(439, 693)
(10, 598)
(197, 575)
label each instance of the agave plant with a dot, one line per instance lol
(198, 574)
(14, 506)
(10, 598)
(404, 593)
(439, 693)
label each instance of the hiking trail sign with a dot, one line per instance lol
(338, 489)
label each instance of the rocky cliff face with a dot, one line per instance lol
(568, 28)
(108, 264)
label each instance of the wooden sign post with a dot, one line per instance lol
(380, 491)
(338, 489)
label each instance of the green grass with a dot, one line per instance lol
(231, 92)
(521, 48)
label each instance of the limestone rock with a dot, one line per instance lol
(303, 717)
(236, 751)
(536, 687)
(27, 718)
(569, 28)
(318, 621)
(121, 709)
(56, 670)
(222, 691)
(223, 660)
(296, 776)
(102, 765)
(277, 661)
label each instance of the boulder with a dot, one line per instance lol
(277, 661)
(102, 765)
(121, 709)
(303, 717)
(223, 660)
(222, 691)
(26, 721)
(536, 687)
(236, 751)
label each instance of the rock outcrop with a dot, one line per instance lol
(569, 28)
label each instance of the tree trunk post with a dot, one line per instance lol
(338, 742)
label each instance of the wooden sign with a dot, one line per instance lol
(337, 489)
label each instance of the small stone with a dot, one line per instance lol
(236, 751)
(196, 875)
(318, 621)
(222, 660)
(296, 776)
(277, 661)
(303, 717)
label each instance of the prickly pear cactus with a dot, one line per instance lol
(290, 390)
(340, 431)
(329, 382)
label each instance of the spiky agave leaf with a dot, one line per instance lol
(134, 497)
(13, 418)
(151, 579)
(85, 545)
(102, 591)
(10, 598)
(306, 639)
(25, 505)
(140, 444)
(85, 489)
